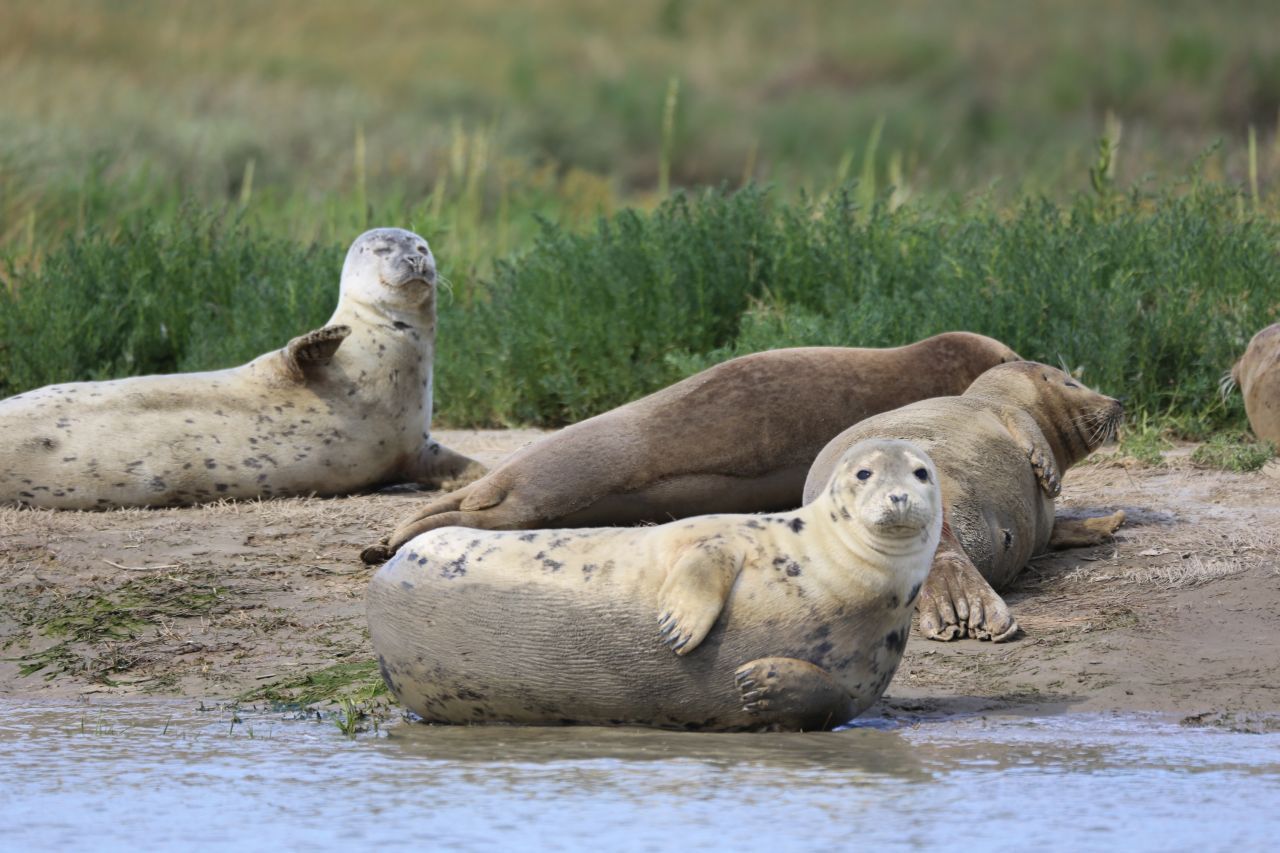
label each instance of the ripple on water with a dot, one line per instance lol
(164, 774)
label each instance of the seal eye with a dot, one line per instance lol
(864, 474)
(383, 249)
(922, 474)
(1071, 385)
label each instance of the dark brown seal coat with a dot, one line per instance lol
(738, 437)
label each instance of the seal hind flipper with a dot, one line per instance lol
(438, 467)
(790, 693)
(314, 348)
(463, 508)
(1084, 532)
(482, 495)
(693, 595)
(957, 601)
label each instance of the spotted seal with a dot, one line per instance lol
(1001, 448)
(340, 409)
(721, 622)
(737, 437)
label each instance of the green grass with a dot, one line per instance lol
(309, 112)
(1234, 452)
(1149, 296)
(356, 682)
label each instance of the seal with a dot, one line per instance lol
(1257, 374)
(344, 408)
(723, 622)
(737, 437)
(1001, 449)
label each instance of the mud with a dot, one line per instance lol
(264, 600)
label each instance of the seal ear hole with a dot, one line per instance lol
(922, 474)
(864, 474)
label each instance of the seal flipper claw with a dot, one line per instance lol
(789, 693)
(314, 348)
(957, 601)
(693, 595)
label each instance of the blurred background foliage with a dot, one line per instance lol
(178, 181)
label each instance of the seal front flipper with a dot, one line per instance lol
(1024, 430)
(1084, 532)
(313, 348)
(693, 595)
(957, 601)
(790, 693)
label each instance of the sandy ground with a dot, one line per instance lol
(265, 600)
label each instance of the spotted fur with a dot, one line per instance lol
(340, 409)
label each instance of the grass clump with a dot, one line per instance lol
(1234, 452)
(356, 682)
(1146, 296)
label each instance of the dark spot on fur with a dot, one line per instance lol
(896, 641)
(454, 568)
(157, 484)
(754, 525)
(911, 596)
(210, 464)
(588, 569)
(406, 585)
(527, 537)
(796, 525)
(222, 487)
(1008, 538)
(793, 570)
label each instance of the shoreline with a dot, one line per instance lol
(262, 602)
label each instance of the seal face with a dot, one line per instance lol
(1001, 449)
(343, 408)
(1257, 374)
(794, 620)
(738, 437)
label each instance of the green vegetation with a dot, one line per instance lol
(1234, 452)
(178, 182)
(1145, 296)
(93, 625)
(354, 681)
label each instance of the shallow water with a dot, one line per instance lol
(165, 775)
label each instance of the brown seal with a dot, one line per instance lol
(795, 621)
(344, 408)
(1001, 449)
(737, 437)
(1257, 374)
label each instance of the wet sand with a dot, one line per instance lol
(255, 599)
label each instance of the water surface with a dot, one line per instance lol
(165, 774)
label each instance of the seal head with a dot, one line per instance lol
(389, 267)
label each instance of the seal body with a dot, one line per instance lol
(343, 408)
(1257, 373)
(1001, 449)
(721, 622)
(738, 437)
